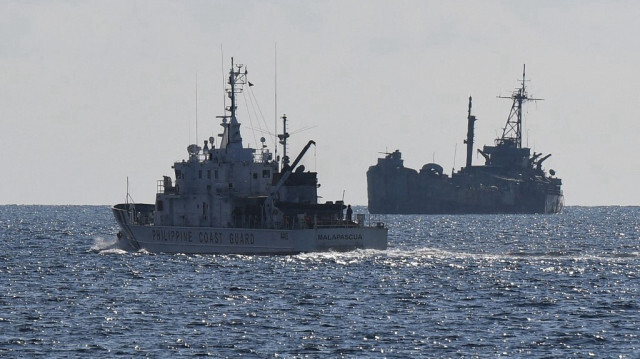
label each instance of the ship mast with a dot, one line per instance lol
(231, 136)
(469, 141)
(512, 132)
(283, 141)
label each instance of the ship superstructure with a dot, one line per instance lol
(512, 179)
(234, 199)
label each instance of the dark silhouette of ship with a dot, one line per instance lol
(511, 180)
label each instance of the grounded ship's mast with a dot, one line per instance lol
(469, 141)
(512, 132)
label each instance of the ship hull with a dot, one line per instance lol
(404, 191)
(208, 240)
(545, 204)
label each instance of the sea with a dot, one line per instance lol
(463, 286)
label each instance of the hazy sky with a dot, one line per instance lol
(94, 91)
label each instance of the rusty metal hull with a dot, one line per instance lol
(394, 189)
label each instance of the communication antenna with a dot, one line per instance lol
(455, 153)
(224, 92)
(275, 97)
(196, 107)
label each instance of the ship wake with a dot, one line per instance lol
(437, 254)
(109, 246)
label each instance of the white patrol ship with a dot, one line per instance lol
(235, 200)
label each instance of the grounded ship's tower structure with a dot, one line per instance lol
(508, 151)
(512, 131)
(511, 180)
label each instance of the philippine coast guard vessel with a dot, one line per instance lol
(233, 199)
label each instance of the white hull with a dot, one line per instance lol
(206, 240)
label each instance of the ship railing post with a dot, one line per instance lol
(132, 213)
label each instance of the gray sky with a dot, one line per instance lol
(94, 91)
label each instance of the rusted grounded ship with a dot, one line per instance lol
(512, 179)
